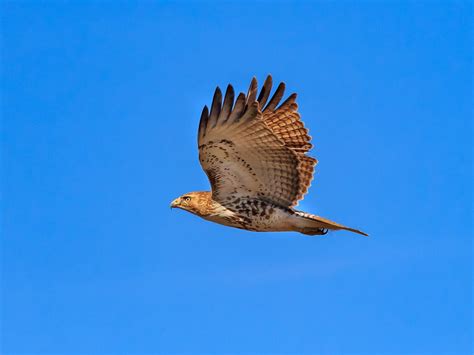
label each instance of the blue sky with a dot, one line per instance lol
(101, 102)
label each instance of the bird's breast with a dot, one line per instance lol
(251, 214)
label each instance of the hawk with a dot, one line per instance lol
(254, 152)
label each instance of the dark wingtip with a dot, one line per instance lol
(275, 100)
(204, 114)
(252, 91)
(216, 106)
(265, 91)
(281, 86)
(228, 103)
(203, 122)
(291, 100)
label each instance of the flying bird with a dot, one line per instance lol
(254, 152)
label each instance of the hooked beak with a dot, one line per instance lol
(175, 203)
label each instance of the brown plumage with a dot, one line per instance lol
(255, 156)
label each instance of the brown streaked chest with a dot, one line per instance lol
(259, 215)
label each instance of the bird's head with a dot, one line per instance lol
(194, 202)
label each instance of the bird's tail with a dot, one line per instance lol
(314, 225)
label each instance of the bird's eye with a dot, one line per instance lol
(187, 198)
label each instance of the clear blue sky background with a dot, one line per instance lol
(101, 103)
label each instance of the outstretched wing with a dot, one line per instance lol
(253, 154)
(285, 122)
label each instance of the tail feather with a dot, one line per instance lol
(312, 225)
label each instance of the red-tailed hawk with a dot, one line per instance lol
(254, 154)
